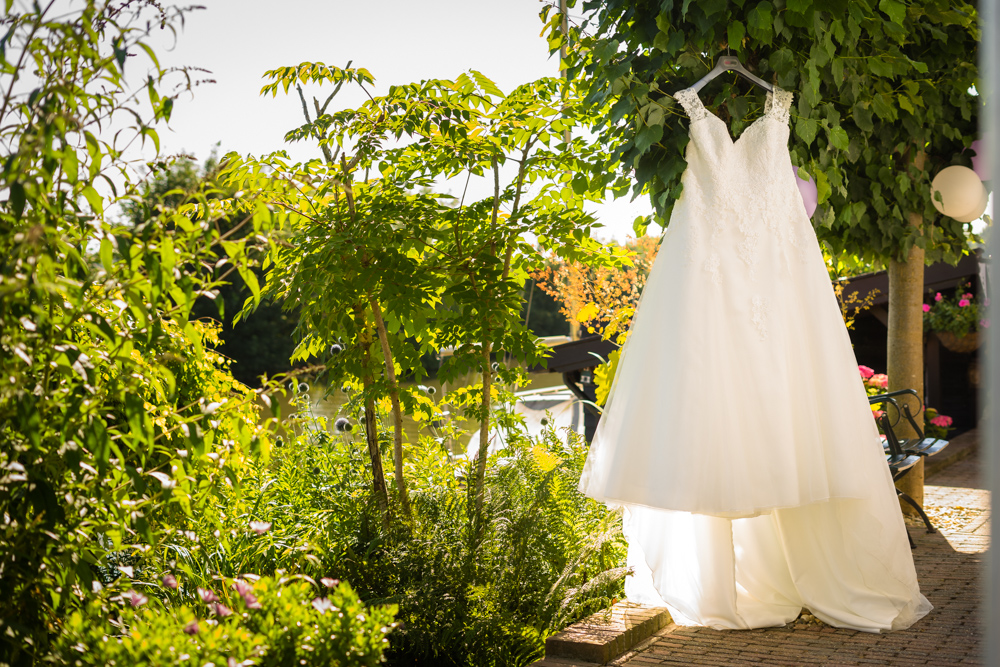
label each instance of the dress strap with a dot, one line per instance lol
(692, 103)
(778, 103)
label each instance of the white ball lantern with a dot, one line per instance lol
(961, 192)
(977, 212)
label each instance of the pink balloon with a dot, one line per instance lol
(980, 163)
(810, 195)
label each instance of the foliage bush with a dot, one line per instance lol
(267, 622)
(93, 318)
(547, 555)
(118, 426)
(130, 455)
(262, 343)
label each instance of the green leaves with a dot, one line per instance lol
(648, 136)
(71, 166)
(873, 83)
(895, 9)
(17, 200)
(103, 369)
(95, 200)
(360, 250)
(284, 77)
(760, 22)
(734, 35)
(806, 129)
(486, 84)
(106, 251)
(838, 138)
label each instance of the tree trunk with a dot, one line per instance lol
(371, 426)
(906, 350)
(484, 436)
(397, 412)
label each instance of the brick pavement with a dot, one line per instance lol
(948, 566)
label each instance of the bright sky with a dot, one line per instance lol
(398, 41)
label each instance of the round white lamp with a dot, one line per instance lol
(961, 192)
(977, 212)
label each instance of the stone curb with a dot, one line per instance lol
(603, 636)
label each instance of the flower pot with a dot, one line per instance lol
(970, 342)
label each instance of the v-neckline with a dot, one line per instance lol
(768, 105)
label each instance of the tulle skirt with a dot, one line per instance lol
(739, 440)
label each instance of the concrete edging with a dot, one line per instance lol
(599, 638)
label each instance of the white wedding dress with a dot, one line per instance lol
(738, 435)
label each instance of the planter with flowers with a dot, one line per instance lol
(936, 425)
(957, 321)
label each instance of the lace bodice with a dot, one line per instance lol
(776, 104)
(740, 202)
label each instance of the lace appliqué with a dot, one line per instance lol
(777, 104)
(747, 249)
(759, 316)
(692, 104)
(712, 266)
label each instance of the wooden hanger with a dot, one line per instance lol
(731, 64)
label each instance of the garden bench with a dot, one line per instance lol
(920, 445)
(902, 455)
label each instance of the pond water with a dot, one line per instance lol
(329, 404)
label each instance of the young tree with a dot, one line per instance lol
(368, 253)
(602, 298)
(883, 102)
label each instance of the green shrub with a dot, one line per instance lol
(547, 555)
(116, 424)
(267, 623)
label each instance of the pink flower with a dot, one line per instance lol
(207, 596)
(260, 527)
(866, 372)
(927, 308)
(322, 605)
(246, 592)
(942, 420)
(329, 583)
(191, 628)
(222, 610)
(962, 303)
(881, 381)
(966, 296)
(984, 324)
(877, 413)
(137, 599)
(938, 297)
(170, 581)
